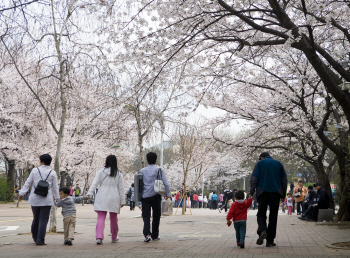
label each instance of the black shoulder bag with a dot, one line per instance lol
(42, 188)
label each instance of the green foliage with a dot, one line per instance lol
(4, 189)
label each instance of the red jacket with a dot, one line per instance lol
(177, 197)
(195, 197)
(238, 210)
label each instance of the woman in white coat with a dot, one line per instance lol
(109, 198)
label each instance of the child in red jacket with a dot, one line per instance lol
(238, 213)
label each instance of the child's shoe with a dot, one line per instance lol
(69, 241)
(242, 245)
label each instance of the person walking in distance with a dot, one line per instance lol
(269, 180)
(214, 201)
(130, 196)
(41, 203)
(289, 203)
(150, 199)
(77, 190)
(109, 198)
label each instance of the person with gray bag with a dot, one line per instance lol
(155, 185)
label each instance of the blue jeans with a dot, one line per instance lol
(240, 227)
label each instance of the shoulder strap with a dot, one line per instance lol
(159, 173)
(40, 174)
(48, 175)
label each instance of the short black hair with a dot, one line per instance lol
(132, 185)
(65, 190)
(300, 181)
(310, 187)
(239, 195)
(264, 155)
(151, 158)
(289, 193)
(46, 159)
(214, 192)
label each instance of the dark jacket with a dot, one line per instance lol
(322, 199)
(312, 197)
(268, 176)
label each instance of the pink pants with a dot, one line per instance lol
(100, 226)
(290, 208)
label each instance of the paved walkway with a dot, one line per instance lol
(203, 234)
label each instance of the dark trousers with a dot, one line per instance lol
(224, 204)
(41, 216)
(194, 204)
(299, 206)
(132, 205)
(153, 203)
(214, 205)
(304, 207)
(272, 200)
(240, 227)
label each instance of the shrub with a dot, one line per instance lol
(4, 189)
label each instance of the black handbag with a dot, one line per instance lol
(42, 188)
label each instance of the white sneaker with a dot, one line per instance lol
(155, 239)
(99, 241)
(148, 239)
(115, 241)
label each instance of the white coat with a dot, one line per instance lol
(110, 195)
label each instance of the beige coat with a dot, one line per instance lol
(303, 193)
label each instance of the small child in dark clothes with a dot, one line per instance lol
(238, 213)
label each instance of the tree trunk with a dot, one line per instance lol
(63, 178)
(344, 189)
(322, 178)
(11, 178)
(141, 151)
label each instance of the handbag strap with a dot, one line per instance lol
(159, 173)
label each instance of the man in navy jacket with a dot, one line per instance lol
(269, 180)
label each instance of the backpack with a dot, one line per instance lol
(42, 188)
(214, 197)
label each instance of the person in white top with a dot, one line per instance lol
(41, 205)
(109, 198)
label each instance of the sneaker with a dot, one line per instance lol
(148, 239)
(69, 241)
(99, 241)
(65, 242)
(261, 238)
(41, 243)
(115, 241)
(270, 244)
(155, 239)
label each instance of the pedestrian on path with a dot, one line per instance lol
(194, 200)
(289, 203)
(238, 213)
(130, 196)
(69, 213)
(150, 199)
(109, 198)
(299, 194)
(205, 202)
(269, 180)
(77, 190)
(41, 203)
(214, 201)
